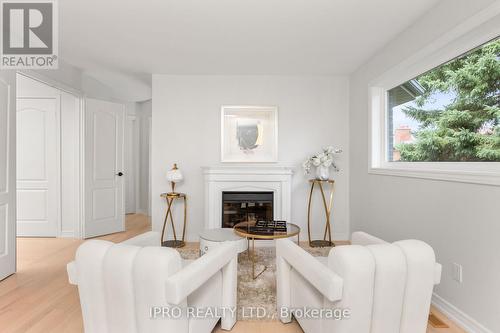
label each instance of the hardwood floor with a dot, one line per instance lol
(38, 298)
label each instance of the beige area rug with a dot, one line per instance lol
(259, 293)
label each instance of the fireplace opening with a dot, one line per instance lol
(246, 206)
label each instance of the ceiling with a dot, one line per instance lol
(282, 37)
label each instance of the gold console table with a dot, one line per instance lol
(328, 209)
(171, 197)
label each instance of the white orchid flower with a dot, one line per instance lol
(328, 163)
(324, 158)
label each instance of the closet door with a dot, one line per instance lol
(38, 167)
(7, 174)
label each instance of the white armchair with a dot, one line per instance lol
(119, 284)
(387, 288)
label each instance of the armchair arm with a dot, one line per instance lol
(184, 282)
(150, 238)
(320, 276)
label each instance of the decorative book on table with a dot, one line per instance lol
(268, 227)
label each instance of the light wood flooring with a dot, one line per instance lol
(38, 298)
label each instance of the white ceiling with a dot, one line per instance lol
(230, 36)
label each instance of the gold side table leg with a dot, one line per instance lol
(185, 219)
(165, 221)
(327, 208)
(309, 214)
(172, 220)
(169, 215)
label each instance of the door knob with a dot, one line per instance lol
(119, 174)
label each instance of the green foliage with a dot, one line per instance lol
(467, 129)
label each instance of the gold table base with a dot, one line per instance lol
(240, 229)
(171, 197)
(328, 209)
(252, 256)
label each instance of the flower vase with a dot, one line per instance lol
(322, 172)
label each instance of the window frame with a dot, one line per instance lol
(442, 50)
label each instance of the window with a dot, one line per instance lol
(448, 114)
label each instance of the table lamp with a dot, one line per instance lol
(174, 176)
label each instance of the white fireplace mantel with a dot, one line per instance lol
(276, 179)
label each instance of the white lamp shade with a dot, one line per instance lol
(174, 176)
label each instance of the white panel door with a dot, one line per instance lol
(104, 135)
(7, 173)
(38, 167)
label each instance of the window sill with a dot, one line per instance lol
(459, 176)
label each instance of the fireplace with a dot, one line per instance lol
(270, 178)
(246, 206)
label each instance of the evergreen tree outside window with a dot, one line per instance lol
(450, 113)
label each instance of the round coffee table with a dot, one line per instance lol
(209, 238)
(244, 229)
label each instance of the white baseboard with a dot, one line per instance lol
(67, 234)
(456, 315)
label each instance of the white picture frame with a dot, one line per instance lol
(249, 134)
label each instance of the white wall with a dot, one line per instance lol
(144, 115)
(313, 112)
(66, 74)
(131, 158)
(137, 147)
(460, 221)
(71, 77)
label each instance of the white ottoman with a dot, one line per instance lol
(210, 238)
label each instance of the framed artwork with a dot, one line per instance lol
(249, 134)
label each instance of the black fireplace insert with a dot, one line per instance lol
(246, 206)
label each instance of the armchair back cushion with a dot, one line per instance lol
(420, 279)
(386, 287)
(118, 283)
(357, 268)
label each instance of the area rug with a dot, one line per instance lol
(256, 298)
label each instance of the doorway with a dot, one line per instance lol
(131, 165)
(69, 162)
(69, 156)
(48, 160)
(104, 168)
